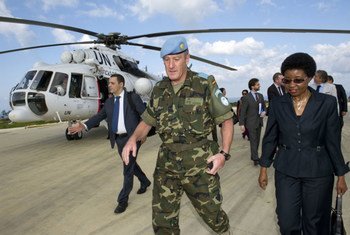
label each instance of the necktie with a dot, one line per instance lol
(318, 88)
(280, 90)
(115, 115)
(256, 97)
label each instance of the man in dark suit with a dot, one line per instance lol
(252, 111)
(276, 89)
(342, 100)
(122, 111)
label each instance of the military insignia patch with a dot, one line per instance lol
(182, 46)
(224, 101)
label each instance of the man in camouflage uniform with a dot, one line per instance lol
(185, 107)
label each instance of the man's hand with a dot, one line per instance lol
(217, 161)
(130, 146)
(242, 128)
(75, 128)
(263, 179)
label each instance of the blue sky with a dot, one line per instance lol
(253, 54)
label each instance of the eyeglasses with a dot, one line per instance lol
(244, 93)
(295, 80)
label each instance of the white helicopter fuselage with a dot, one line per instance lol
(76, 88)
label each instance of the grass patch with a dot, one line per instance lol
(6, 123)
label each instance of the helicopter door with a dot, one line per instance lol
(90, 88)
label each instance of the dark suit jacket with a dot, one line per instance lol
(342, 98)
(273, 92)
(131, 115)
(309, 146)
(249, 111)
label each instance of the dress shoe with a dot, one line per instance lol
(121, 208)
(143, 188)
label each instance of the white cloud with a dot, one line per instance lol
(233, 3)
(323, 6)
(50, 4)
(183, 11)
(103, 11)
(62, 36)
(21, 32)
(267, 2)
(333, 57)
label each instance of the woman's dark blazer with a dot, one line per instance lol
(307, 146)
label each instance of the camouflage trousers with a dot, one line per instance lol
(179, 172)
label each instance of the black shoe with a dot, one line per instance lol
(143, 188)
(121, 207)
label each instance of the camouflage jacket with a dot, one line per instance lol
(189, 115)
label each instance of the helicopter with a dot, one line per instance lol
(76, 88)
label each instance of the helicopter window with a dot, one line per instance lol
(59, 84)
(119, 62)
(18, 99)
(41, 81)
(26, 80)
(75, 85)
(90, 87)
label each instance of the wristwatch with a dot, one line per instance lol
(226, 155)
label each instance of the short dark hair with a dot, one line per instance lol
(330, 78)
(222, 89)
(119, 77)
(252, 82)
(245, 91)
(301, 61)
(275, 76)
(323, 75)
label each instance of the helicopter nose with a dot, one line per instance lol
(23, 115)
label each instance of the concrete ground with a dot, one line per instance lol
(53, 186)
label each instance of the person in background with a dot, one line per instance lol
(251, 115)
(184, 107)
(120, 128)
(276, 89)
(342, 100)
(246, 132)
(302, 140)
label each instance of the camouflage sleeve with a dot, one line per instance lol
(148, 119)
(219, 106)
(148, 115)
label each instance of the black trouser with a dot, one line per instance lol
(129, 170)
(303, 204)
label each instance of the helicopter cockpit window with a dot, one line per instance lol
(26, 80)
(59, 84)
(75, 85)
(119, 62)
(41, 81)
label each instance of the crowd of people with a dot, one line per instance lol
(301, 140)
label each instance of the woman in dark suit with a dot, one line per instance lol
(303, 127)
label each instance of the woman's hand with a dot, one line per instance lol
(263, 179)
(341, 186)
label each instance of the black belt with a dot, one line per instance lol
(121, 135)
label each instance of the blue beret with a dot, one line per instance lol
(173, 45)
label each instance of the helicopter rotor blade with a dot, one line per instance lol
(48, 45)
(46, 24)
(241, 30)
(191, 56)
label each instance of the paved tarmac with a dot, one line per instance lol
(53, 186)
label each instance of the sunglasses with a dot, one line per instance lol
(295, 80)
